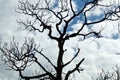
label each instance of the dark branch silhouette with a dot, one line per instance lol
(46, 16)
(109, 75)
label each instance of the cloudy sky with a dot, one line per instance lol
(99, 53)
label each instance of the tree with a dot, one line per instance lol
(54, 16)
(107, 75)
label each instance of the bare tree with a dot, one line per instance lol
(51, 16)
(109, 75)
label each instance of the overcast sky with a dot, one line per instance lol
(98, 53)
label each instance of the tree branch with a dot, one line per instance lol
(72, 58)
(46, 58)
(73, 70)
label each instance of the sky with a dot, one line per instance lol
(99, 53)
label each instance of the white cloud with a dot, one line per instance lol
(98, 53)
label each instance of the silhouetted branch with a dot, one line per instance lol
(74, 69)
(53, 18)
(48, 73)
(72, 58)
(46, 58)
(32, 77)
(109, 75)
(13, 55)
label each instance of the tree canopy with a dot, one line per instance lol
(56, 18)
